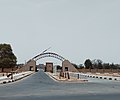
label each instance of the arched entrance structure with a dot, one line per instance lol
(31, 64)
(48, 54)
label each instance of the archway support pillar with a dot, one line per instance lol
(29, 66)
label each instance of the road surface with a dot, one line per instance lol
(39, 86)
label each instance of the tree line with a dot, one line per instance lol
(98, 64)
(9, 60)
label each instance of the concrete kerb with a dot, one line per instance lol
(73, 80)
(23, 75)
(100, 76)
(16, 77)
(51, 76)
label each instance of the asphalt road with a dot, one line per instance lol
(39, 86)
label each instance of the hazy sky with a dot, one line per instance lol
(75, 29)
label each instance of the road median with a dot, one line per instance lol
(15, 77)
(62, 79)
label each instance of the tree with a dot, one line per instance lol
(88, 64)
(106, 66)
(114, 66)
(100, 66)
(97, 63)
(7, 57)
(80, 66)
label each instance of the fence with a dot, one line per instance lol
(99, 70)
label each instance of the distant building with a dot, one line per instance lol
(49, 67)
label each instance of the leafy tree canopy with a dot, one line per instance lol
(7, 57)
(88, 63)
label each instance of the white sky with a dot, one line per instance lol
(75, 29)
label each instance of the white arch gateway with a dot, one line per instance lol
(31, 64)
